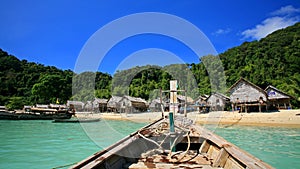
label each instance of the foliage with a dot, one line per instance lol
(16, 103)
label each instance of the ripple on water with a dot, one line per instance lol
(278, 146)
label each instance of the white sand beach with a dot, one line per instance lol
(287, 118)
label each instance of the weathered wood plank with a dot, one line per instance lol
(221, 159)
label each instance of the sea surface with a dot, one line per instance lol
(43, 144)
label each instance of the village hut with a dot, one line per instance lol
(75, 105)
(155, 105)
(246, 96)
(88, 106)
(100, 105)
(277, 98)
(200, 103)
(182, 100)
(218, 101)
(130, 104)
(113, 104)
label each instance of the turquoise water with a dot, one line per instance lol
(278, 146)
(43, 144)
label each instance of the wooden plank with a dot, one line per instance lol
(204, 147)
(221, 158)
(233, 150)
(232, 164)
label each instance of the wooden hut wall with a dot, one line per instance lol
(216, 103)
(100, 105)
(246, 93)
(125, 105)
(113, 105)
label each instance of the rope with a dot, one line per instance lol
(185, 152)
(188, 147)
(152, 141)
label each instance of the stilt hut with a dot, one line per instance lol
(88, 106)
(155, 105)
(218, 101)
(246, 96)
(113, 104)
(185, 99)
(201, 104)
(278, 99)
(100, 105)
(133, 104)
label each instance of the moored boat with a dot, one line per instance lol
(36, 114)
(167, 144)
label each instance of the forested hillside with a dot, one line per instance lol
(28, 83)
(273, 60)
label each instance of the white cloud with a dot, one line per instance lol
(221, 31)
(286, 10)
(284, 19)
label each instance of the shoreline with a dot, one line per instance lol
(282, 118)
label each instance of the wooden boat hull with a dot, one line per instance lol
(203, 148)
(33, 116)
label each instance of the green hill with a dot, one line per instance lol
(273, 60)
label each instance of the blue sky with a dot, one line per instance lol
(54, 32)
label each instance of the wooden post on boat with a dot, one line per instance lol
(172, 113)
(161, 104)
(173, 96)
(185, 103)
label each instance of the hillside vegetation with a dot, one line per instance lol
(273, 60)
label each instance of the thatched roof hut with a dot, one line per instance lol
(201, 100)
(113, 103)
(155, 105)
(278, 99)
(100, 104)
(245, 95)
(133, 104)
(181, 99)
(217, 101)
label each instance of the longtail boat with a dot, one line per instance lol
(37, 114)
(172, 143)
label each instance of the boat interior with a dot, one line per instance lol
(188, 146)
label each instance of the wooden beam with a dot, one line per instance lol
(221, 158)
(204, 147)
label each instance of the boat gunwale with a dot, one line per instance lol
(96, 155)
(242, 156)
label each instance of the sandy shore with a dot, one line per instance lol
(287, 118)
